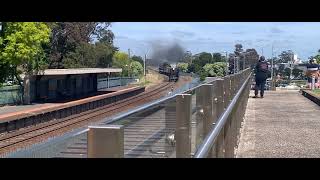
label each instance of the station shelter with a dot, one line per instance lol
(58, 84)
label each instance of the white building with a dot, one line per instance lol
(296, 60)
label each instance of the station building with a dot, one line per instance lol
(59, 84)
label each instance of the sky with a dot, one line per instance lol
(300, 37)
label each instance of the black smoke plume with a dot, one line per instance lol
(171, 53)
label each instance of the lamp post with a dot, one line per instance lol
(226, 69)
(127, 69)
(234, 64)
(244, 61)
(144, 65)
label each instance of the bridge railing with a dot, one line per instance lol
(222, 135)
(203, 121)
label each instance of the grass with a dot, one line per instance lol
(317, 91)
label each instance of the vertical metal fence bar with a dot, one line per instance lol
(200, 96)
(183, 128)
(220, 108)
(209, 111)
(227, 98)
(233, 117)
(214, 108)
(170, 115)
(106, 141)
(227, 128)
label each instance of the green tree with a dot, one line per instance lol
(83, 56)
(215, 69)
(104, 53)
(88, 55)
(191, 68)
(121, 60)
(317, 57)
(202, 59)
(67, 36)
(183, 66)
(286, 56)
(281, 68)
(203, 74)
(136, 68)
(251, 57)
(22, 47)
(238, 49)
(138, 58)
(217, 57)
(287, 72)
(297, 73)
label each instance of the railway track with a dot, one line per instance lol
(145, 136)
(27, 136)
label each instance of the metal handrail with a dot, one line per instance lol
(139, 109)
(210, 139)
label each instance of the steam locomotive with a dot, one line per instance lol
(168, 70)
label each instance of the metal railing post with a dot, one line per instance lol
(199, 116)
(233, 118)
(207, 108)
(219, 89)
(227, 129)
(106, 141)
(183, 126)
(221, 125)
(170, 116)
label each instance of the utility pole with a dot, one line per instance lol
(272, 79)
(129, 52)
(234, 64)
(144, 68)
(227, 63)
(238, 64)
(244, 61)
(144, 65)
(272, 62)
(262, 51)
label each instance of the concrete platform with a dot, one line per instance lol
(284, 124)
(10, 113)
(12, 108)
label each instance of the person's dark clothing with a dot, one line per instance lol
(261, 71)
(261, 77)
(260, 85)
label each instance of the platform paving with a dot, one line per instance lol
(284, 124)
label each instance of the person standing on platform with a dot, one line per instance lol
(261, 71)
